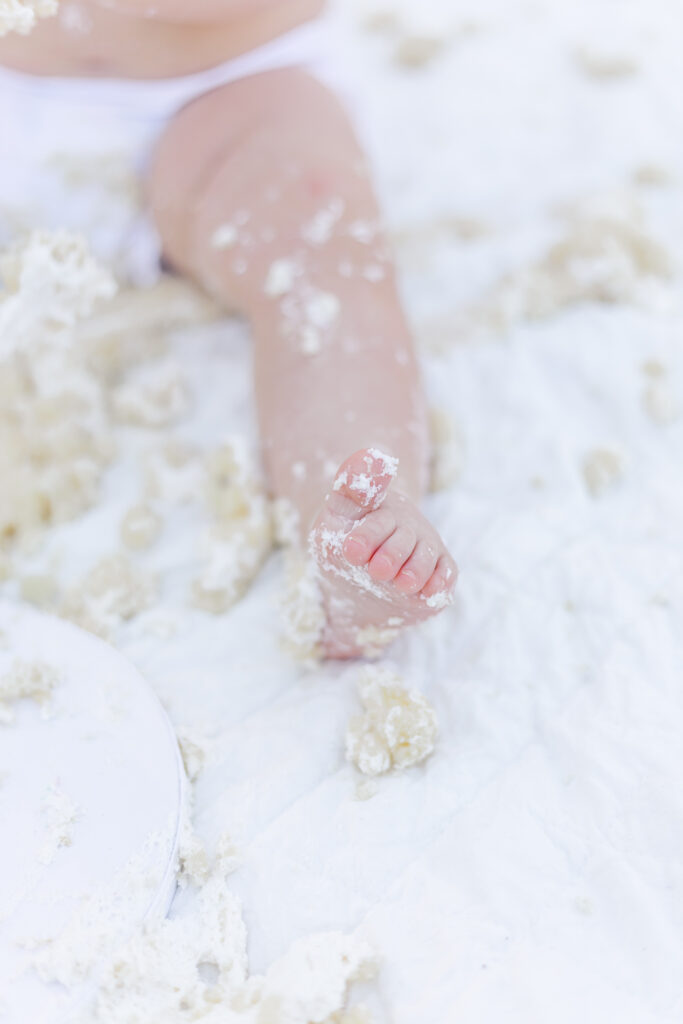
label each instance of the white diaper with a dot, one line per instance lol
(72, 150)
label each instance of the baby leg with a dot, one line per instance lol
(262, 194)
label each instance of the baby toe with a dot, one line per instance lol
(395, 551)
(419, 567)
(364, 478)
(443, 579)
(367, 536)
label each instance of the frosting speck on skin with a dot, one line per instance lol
(280, 279)
(224, 236)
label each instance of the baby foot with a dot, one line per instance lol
(382, 565)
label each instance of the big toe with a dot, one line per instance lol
(361, 483)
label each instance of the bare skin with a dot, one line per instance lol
(117, 38)
(261, 194)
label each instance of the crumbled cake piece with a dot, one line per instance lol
(112, 592)
(603, 468)
(22, 15)
(302, 608)
(241, 532)
(397, 728)
(152, 396)
(141, 527)
(27, 680)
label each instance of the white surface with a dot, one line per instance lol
(108, 747)
(531, 872)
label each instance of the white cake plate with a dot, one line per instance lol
(107, 747)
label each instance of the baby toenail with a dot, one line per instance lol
(409, 576)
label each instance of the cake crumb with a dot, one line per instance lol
(605, 66)
(603, 469)
(356, 1015)
(194, 866)
(652, 176)
(382, 20)
(654, 369)
(398, 727)
(607, 255)
(363, 231)
(224, 237)
(112, 592)
(140, 527)
(442, 599)
(280, 278)
(153, 396)
(417, 51)
(389, 463)
(322, 309)
(240, 536)
(194, 749)
(39, 589)
(173, 473)
(27, 680)
(366, 788)
(193, 966)
(55, 436)
(21, 16)
(302, 610)
(319, 230)
(374, 640)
